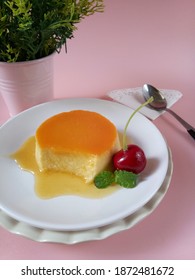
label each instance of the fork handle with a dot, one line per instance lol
(190, 129)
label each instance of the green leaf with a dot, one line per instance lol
(34, 29)
(104, 179)
(126, 179)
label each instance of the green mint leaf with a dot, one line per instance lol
(104, 179)
(126, 179)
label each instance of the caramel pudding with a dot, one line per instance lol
(77, 142)
(68, 150)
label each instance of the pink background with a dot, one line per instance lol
(131, 43)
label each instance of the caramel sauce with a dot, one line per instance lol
(49, 184)
(77, 131)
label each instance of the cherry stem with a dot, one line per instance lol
(132, 115)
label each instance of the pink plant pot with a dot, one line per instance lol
(26, 84)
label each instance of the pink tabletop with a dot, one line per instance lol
(132, 43)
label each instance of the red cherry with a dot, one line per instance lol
(132, 159)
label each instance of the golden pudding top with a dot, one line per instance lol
(77, 131)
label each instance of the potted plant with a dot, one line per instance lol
(31, 31)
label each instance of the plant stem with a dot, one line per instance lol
(132, 115)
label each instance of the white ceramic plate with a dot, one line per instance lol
(72, 213)
(73, 237)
